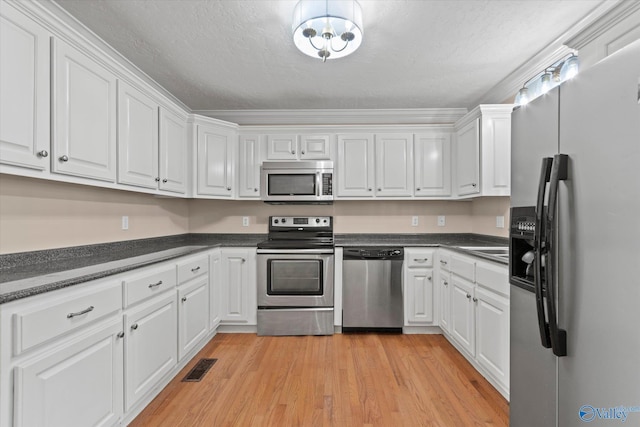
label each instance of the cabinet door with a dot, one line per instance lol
(315, 147)
(419, 296)
(462, 313)
(77, 384)
(394, 165)
(151, 340)
(173, 152)
(249, 167)
(468, 159)
(238, 290)
(193, 314)
(445, 300)
(84, 116)
(215, 283)
(24, 85)
(215, 162)
(356, 166)
(282, 147)
(492, 334)
(137, 138)
(496, 154)
(432, 172)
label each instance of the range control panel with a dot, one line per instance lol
(300, 221)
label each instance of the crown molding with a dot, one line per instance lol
(606, 22)
(337, 117)
(506, 89)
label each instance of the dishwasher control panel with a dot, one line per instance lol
(373, 253)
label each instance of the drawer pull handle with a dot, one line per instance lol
(153, 285)
(80, 313)
(421, 259)
(443, 262)
(184, 299)
(193, 270)
(134, 326)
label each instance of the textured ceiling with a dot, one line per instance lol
(238, 54)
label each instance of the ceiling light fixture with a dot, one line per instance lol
(327, 29)
(543, 82)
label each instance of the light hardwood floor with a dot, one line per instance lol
(340, 380)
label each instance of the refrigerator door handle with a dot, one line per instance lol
(558, 173)
(545, 175)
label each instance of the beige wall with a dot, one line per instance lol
(39, 214)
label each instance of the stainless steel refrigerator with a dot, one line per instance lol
(575, 250)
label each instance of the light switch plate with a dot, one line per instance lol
(414, 221)
(441, 221)
(245, 221)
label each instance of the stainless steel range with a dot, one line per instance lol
(295, 277)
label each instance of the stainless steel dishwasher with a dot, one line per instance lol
(372, 289)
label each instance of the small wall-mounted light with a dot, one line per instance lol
(543, 82)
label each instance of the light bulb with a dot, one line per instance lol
(522, 98)
(545, 83)
(571, 68)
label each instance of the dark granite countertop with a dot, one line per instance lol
(31, 273)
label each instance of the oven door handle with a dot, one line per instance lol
(296, 251)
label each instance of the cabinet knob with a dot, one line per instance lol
(64, 158)
(446, 283)
(368, 189)
(157, 179)
(244, 260)
(417, 189)
(474, 185)
(134, 326)
(293, 151)
(475, 299)
(429, 278)
(228, 188)
(165, 180)
(184, 299)
(120, 334)
(43, 153)
(302, 152)
(468, 296)
(255, 190)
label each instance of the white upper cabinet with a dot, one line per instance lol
(250, 159)
(432, 171)
(298, 147)
(84, 116)
(137, 138)
(24, 91)
(394, 165)
(483, 155)
(215, 157)
(355, 174)
(173, 151)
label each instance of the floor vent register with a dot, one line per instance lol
(198, 372)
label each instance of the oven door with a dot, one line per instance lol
(295, 278)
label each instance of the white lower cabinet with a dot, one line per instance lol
(477, 322)
(193, 314)
(462, 313)
(215, 283)
(76, 384)
(419, 295)
(238, 297)
(151, 339)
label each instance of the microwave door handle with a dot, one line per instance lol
(558, 336)
(545, 174)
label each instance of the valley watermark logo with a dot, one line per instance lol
(588, 413)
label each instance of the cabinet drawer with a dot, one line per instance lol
(463, 267)
(418, 258)
(60, 316)
(492, 276)
(150, 283)
(192, 267)
(444, 260)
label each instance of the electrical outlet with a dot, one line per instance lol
(500, 221)
(441, 221)
(245, 221)
(125, 222)
(414, 221)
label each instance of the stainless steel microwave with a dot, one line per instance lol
(297, 182)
